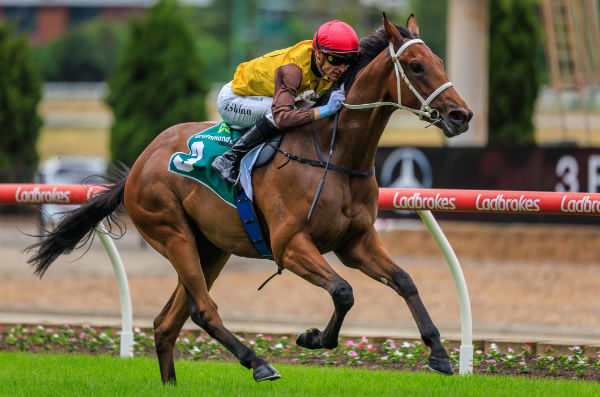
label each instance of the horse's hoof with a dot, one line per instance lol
(310, 339)
(265, 372)
(440, 365)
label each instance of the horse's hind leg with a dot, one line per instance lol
(181, 252)
(167, 326)
(191, 298)
(305, 260)
(369, 255)
(203, 312)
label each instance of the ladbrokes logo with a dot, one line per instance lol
(416, 202)
(37, 196)
(583, 206)
(499, 203)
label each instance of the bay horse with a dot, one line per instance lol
(198, 232)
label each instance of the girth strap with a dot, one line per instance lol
(250, 223)
(322, 164)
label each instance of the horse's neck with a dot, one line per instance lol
(360, 130)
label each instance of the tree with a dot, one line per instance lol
(432, 23)
(158, 81)
(85, 53)
(20, 93)
(514, 73)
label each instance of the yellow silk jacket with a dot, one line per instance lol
(257, 77)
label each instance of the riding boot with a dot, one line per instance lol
(227, 165)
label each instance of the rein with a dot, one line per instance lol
(426, 110)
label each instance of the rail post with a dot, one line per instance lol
(126, 344)
(464, 304)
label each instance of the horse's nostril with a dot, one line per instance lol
(469, 116)
(460, 117)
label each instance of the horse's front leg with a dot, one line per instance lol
(304, 259)
(368, 254)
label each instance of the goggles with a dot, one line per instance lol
(337, 60)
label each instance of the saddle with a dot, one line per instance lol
(268, 151)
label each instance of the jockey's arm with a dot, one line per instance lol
(287, 81)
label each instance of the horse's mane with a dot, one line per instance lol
(370, 47)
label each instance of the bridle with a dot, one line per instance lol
(426, 110)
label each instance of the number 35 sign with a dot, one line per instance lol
(567, 171)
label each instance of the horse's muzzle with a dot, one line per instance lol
(455, 122)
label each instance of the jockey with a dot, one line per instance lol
(263, 91)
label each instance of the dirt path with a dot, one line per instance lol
(521, 279)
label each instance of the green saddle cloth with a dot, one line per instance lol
(204, 147)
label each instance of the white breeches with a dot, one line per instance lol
(243, 111)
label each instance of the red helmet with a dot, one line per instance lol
(336, 37)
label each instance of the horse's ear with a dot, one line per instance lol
(392, 34)
(412, 25)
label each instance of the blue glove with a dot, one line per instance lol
(335, 103)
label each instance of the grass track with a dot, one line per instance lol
(26, 374)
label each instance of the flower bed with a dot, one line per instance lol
(365, 353)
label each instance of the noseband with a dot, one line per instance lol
(426, 110)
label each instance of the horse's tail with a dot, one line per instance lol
(77, 227)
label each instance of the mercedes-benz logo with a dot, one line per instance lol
(406, 168)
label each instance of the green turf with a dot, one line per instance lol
(27, 374)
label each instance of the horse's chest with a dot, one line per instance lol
(338, 213)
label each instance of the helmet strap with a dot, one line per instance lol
(318, 63)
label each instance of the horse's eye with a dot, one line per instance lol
(416, 67)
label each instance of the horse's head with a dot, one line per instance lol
(421, 82)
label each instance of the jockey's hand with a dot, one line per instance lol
(333, 105)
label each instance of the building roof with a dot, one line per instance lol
(93, 3)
